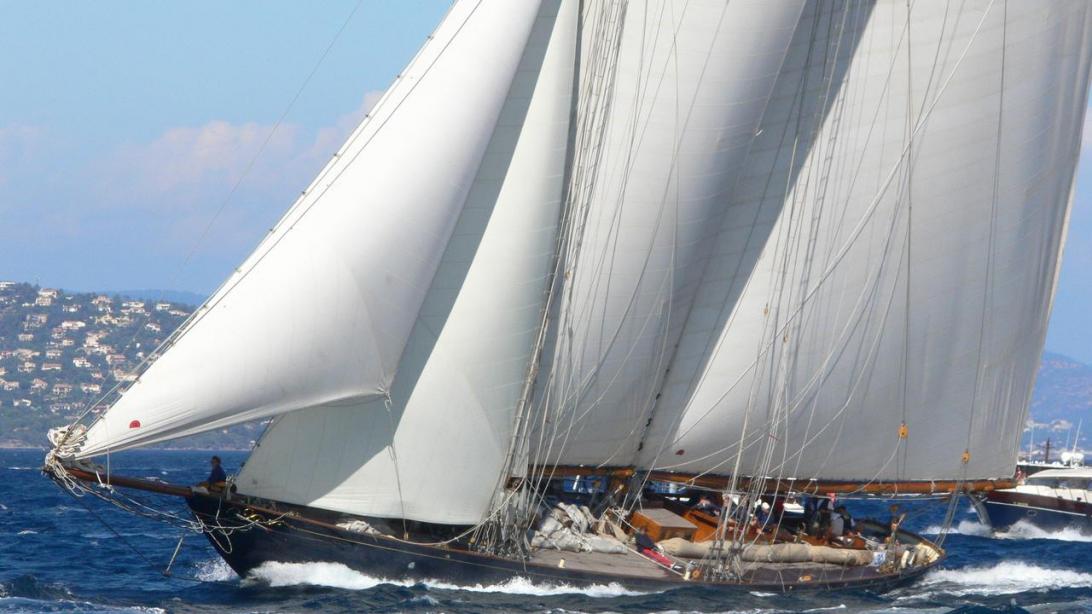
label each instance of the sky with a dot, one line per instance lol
(125, 128)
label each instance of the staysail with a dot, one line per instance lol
(435, 451)
(690, 84)
(892, 326)
(320, 313)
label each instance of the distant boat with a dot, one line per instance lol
(1052, 500)
(760, 249)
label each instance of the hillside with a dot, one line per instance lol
(1062, 400)
(60, 352)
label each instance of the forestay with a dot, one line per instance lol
(320, 313)
(436, 451)
(909, 275)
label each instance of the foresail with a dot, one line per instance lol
(436, 451)
(892, 326)
(320, 313)
(672, 97)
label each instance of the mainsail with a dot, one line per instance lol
(806, 240)
(898, 310)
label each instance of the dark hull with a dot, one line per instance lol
(298, 540)
(1003, 509)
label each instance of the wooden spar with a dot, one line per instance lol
(124, 482)
(785, 485)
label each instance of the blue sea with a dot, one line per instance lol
(56, 556)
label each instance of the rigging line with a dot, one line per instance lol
(646, 416)
(877, 198)
(909, 173)
(593, 375)
(606, 45)
(227, 285)
(611, 253)
(714, 339)
(520, 435)
(607, 39)
(704, 265)
(987, 288)
(835, 119)
(120, 537)
(872, 352)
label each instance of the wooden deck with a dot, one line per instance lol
(629, 563)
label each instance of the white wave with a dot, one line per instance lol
(215, 570)
(1026, 530)
(337, 575)
(1007, 577)
(523, 586)
(1021, 530)
(965, 527)
(27, 532)
(334, 575)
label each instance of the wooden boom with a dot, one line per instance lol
(137, 483)
(787, 485)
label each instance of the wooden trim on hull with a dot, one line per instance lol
(785, 486)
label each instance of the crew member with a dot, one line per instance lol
(705, 504)
(646, 547)
(217, 477)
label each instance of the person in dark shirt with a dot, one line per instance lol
(705, 504)
(217, 475)
(648, 548)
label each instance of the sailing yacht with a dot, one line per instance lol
(760, 249)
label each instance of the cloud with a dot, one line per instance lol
(83, 215)
(197, 167)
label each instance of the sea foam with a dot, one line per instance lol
(1020, 530)
(337, 575)
(1007, 577)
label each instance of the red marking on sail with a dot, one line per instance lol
(680, 452)
(135, 424)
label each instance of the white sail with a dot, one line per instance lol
(810, 80)
(920, 240)
(320, 313)
(436, 452)
(690, 84)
